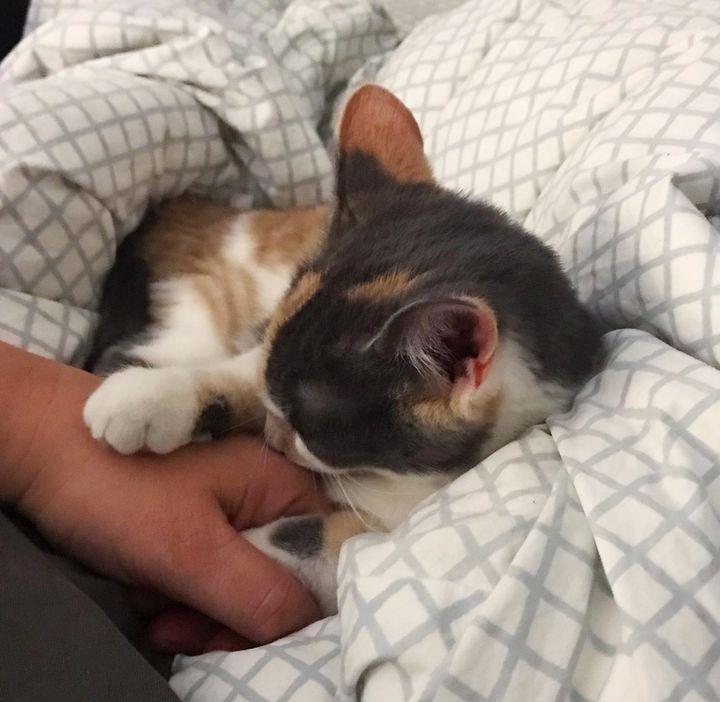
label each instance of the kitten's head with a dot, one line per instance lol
(373, 361)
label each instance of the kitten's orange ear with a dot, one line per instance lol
(379, 149)
(375, 123)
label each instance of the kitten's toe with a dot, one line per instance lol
(144, 408)
(124, 434)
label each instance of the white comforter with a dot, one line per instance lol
(580, 562)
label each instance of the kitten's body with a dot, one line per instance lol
(198, 281)
(392, 344)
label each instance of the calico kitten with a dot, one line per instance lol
(389, 344)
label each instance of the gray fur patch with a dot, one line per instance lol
(215, 419)
(300, 536)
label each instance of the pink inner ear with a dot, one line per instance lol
(375, 122)
(486, 337)
(451, 342)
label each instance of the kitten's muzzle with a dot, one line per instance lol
(281, 437)
(284, 439)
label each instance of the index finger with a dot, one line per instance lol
(254, 484)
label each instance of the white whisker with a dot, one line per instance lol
(264, 454)
(368, 488)
(350, 504)
(239, 425)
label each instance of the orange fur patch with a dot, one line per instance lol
(375, 122)
(296, 298)
(230, 295)
(186, 241)
(187, 237)
(446, 412)
(248, 411)
(287, 237)
(340, 526)
(384, 287)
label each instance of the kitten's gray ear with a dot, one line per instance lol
(449, 342)
(379, 143)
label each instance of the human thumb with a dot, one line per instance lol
(224, 577)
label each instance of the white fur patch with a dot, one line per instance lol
(380, 493)
(243, 367)
(318, 573)
(271, 282)
(187, 333)
(239, 247)
(144, 408)
(526, 401)
(158, 408)
(385, 495)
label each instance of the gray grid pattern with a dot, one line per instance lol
(636, 233)
(581, 562)
(41, 12)
(305, 666)
(407, 14)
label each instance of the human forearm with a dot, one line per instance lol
(39, 397)
(168, 523)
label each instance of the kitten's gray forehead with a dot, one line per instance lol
(317, 397)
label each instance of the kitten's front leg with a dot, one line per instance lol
(160, 409)
(309, 546)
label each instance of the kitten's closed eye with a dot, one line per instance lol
(284, 439)
(299, 453)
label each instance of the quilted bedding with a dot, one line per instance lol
(580, 562)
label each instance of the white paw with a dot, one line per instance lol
(317, 572)
(144, 408)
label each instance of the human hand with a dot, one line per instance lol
(165, 523)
